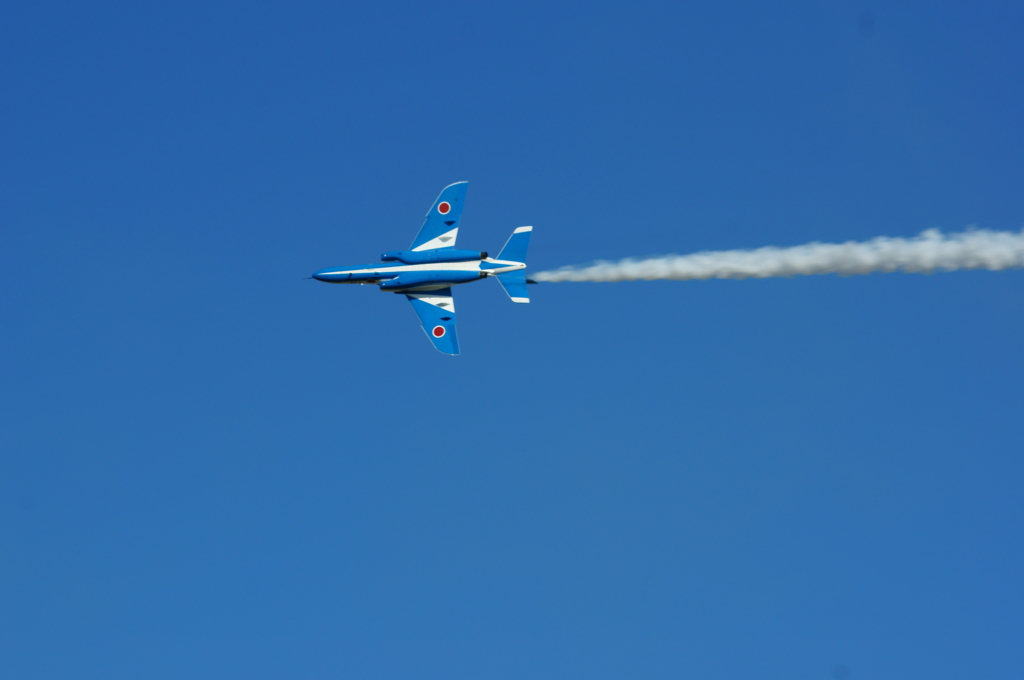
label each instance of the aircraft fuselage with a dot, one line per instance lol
(398, 277)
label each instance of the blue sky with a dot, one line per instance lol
(214, 468)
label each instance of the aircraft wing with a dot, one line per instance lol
(441, 227)
(436, 310)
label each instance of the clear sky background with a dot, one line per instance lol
(213, 468)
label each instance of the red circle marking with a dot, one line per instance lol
(444, 208)
(438, 331)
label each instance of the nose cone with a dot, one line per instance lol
(324, 275)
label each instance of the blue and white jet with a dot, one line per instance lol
(427, 271)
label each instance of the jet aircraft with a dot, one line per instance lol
(426, 272)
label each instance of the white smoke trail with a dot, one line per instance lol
(930, 251)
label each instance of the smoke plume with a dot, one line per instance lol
(930, 251)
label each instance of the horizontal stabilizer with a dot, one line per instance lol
(514, 284)
(515, 247)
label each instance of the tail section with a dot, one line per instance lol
(514, 282)
(515, 247)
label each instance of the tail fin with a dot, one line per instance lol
(514, 283)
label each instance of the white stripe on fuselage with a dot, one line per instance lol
(472, 265)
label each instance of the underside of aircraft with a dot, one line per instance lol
(426, 272)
